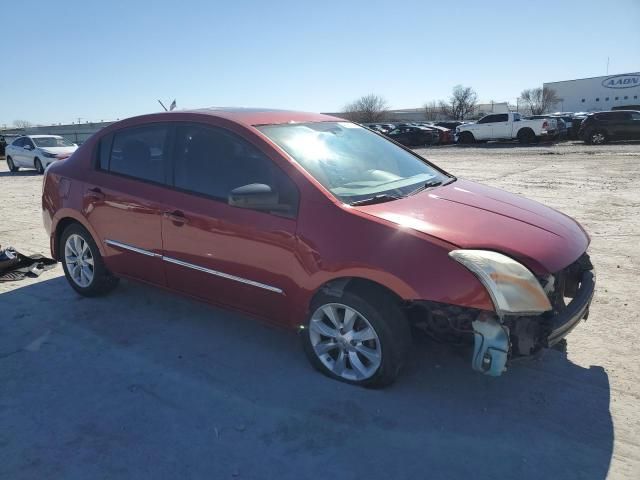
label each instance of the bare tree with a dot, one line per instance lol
(539, 100)
(21, 123)
(461, 104)
(368, 109)
(432, 111)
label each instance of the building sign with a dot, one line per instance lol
(622, 81)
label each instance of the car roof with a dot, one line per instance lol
(42, 136)
(260, 116)
(615, 111)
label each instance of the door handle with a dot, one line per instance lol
(95, 193)
(177, 217)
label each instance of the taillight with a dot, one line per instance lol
(545, 124)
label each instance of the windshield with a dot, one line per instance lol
(352, 162)
(51, 142)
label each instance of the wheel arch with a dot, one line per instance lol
(468, 134)
(65, 219)
(526, 130)
(359, 285)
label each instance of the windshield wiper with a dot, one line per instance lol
(433, 183)
(385, 197)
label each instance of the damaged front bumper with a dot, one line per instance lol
(570, 293)
(498, 339)
(561, 323)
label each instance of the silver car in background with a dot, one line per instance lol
(37, 151)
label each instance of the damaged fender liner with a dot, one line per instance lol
(562, 323)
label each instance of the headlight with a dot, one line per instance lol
(512, 287)
(50, 155)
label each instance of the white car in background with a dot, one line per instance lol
(37, 151)
(507, 126)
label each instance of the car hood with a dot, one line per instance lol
(58, 150)
(469, 215)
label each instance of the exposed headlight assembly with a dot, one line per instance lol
(512, 287)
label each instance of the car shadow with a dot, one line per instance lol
(514, 144)
(145, 383)
(20, 173)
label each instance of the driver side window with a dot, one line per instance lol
(487, 119)
(212, 161)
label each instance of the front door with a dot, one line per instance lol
(226, 254)
(121, 200)
(632, 126)
(501, 126)
(27, 156)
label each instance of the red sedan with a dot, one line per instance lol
(317, 224)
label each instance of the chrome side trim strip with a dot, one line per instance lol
(223, 275)
(126, 246)
(175, 261)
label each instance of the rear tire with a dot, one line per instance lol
(82, 263)
(11, 165)
(38, 166)
(467, 138)
(366, 342)
(526, 136)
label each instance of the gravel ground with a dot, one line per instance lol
(143, 384)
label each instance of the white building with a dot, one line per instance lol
(598, 93)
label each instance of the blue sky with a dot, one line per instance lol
(102, 60)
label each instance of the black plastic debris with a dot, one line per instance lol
(16, 266)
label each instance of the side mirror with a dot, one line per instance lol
(28, 147)
(257, 196)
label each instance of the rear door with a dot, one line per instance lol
(121, 200)
(615, 123)
(226, 254)
(17, 152)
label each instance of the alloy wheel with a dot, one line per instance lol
(345, 342)
(597, 138)
(79, 260)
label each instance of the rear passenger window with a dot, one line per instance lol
(213, 162)
(503, 117)
(137, 152)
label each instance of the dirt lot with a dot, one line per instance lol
(148, 385)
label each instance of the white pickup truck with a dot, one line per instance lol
(507, 126)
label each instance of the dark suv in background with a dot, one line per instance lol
(600, 127)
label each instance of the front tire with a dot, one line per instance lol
(467, 138)
(82, 263)
(597, 137)
(12, 166)
(38, 166)
(361, 338)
